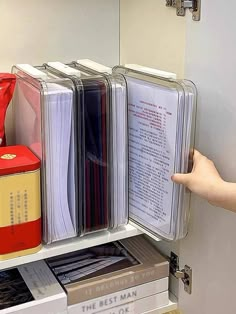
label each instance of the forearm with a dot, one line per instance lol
(225, 196)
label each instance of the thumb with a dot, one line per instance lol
(181, 178)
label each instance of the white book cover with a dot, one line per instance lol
(140, 306)
(121, 298)
(31, 289)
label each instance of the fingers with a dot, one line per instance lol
(181, 178)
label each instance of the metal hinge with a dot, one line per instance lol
(185, 274)
(182, 5)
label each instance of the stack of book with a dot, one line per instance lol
(127, 276)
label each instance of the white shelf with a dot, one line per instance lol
(72, 245)
(173, 305)
(150, 234)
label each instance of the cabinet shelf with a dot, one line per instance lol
(72, 245)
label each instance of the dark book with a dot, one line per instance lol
(13, 289)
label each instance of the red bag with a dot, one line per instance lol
(7, 85)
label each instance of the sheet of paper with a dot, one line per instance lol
(152, 149)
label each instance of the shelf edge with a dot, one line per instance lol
(72, 245)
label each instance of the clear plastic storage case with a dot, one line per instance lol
(94, 123)
(109, 141)
(161, 125)
(44, 111)
(118, 138)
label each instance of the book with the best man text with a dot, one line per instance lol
(108, 268)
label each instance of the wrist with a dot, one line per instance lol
(217, 193)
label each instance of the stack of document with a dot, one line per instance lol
(59, 152)
(102, 114)
(117, 93)
(96, 154)
(92, 131)
(43, 111)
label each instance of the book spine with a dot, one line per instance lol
(113, 284)
(140, 306)
(121, 297)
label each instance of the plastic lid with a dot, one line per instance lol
(95, 66)
(16, 159)
(30, 70)
(152, 71)
(64, 68)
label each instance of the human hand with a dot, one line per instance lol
(204, 180)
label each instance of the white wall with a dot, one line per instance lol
(152, 35)
(35, 31)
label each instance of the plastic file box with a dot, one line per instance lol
(43, 106)
(161, 128)
(118, 169)
(130, 129)
(160, 132)
(99, 99)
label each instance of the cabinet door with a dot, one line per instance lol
(210, 247)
